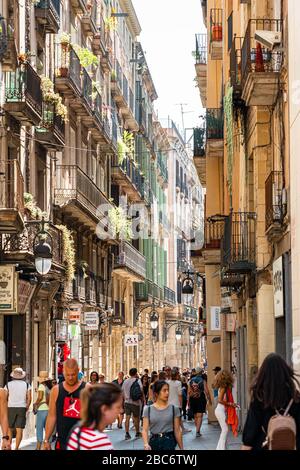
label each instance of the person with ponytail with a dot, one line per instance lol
(100, 406)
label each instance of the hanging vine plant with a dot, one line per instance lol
(31, 205)
(86, 57)
(49, 96)
(228, 112)
(120, 225)
(68, 252)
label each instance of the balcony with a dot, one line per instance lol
(78, 194)
(68, 78)
(99, 38)
(238, 243)
(201, 66)
(214, 132)
(260, 66)
(106, 59)
(19, 247)
(162, 170)
(123, 97)
(11, 197)
(23, 95)
(79, 287)
(89, 19)
(199, 153)
(190, 314)
(130, 263)
(147, 289)
(90, 289)
(216, 33)
(51, 132)
(47, 13)
(128, 177)
(169, 296)
(213, 234)
(8, 48)
(78, 6)
(236, 69)
(275, 206)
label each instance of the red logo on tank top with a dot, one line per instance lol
(71, 407)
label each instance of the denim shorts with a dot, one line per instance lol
(165, 442)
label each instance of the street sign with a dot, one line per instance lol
(278, 288)
(8, 289)
(215, 320)
(131, 340)
(61, 331)
(91, 320)
(74, 312)
(230, 322)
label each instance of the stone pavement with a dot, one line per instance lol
(208, 440)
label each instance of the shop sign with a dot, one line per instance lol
(8, 289)
(226, 302)
(74, 312)
(278, 288)
(61, 331)
(131, 340)
(230, 322)
(91, 321)
(215, 318)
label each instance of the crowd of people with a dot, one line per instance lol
(74, 414)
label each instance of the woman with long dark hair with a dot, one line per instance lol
(100, 406)
(274, 388)
(163, 421)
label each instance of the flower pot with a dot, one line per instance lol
(217, 33)
(63, 71)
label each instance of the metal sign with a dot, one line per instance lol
(278, 288)
(91, 321)
(74, 312)
(226, 302)
(230, 322)
(131, 340)
(61, 331)
(215, 318)
(8, 289)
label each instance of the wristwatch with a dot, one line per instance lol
(5, 437)
(46, 441)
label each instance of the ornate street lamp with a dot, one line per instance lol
(178, 333)
(188, 285)
(192, 333)
(154, 320)
(42, 250)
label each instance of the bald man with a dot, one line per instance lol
(64, 406)
(4, 420)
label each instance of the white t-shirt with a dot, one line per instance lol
(17, 391)
(175, 391)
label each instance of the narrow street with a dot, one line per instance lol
(208, 440)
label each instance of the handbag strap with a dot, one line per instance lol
(149, 409)
(173, 413)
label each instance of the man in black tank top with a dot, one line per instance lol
(64, 406)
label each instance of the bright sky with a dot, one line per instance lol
(168, 38)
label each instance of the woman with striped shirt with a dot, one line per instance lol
(100, 406)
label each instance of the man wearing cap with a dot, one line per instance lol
(19, 399)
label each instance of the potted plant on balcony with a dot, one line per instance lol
(86, 57)
(119, 224)
(65, 39)
(49, 96)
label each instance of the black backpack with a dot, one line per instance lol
(135, 391)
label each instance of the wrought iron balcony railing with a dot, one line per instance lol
(68, 66)
(24, 86)
(238, 243)
(170, 295)
(275, 205)
(131, 258)
(87, 89)
(73, 183)
(214, 124)
(48, 14)
(51, 124)
(199, 141)
(216, 25)
(98, 108)
(11, 186)
(254, 57)
(213, 234)
(201, 49)
(190, 313)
